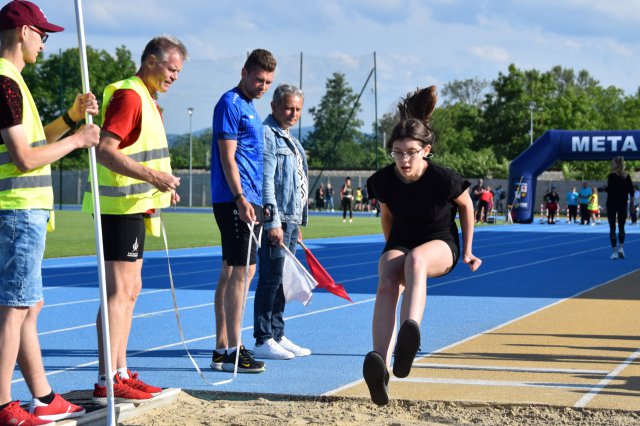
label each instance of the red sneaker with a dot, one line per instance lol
(59, 409)
(136, 383)
(122, 392)
(13, 414)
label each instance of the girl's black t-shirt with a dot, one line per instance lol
(424, 209)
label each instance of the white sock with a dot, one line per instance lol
(231, 350)
(102, 380)
(123, 373)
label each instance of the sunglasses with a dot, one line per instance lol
(43, 36)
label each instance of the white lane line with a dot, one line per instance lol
(504, 383)
(142, 293)
(510, 369)
(491, 330)
(582, 402)
(198, 339)
(145, 315)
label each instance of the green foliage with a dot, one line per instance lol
(201, 151)
(55, 81)
(334, 140)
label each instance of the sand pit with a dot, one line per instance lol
(225, 409)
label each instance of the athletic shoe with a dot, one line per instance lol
(407, 347)
(270, 349)
(138, 384)
(376, 376)
(620, 253)
(350, 220)
(246, 363)
(614, 256)
(59, 409)
(293, 348)
(14, 414)
(216, 360)
(122, 392)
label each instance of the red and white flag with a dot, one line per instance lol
(297, 283)
(322, 277)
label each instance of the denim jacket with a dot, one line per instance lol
(280, 183)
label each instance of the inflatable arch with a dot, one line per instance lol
(556, 145)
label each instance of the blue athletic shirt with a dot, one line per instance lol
(235, 118)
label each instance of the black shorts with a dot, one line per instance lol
(405, 245)
(234, 233)
(123, 237)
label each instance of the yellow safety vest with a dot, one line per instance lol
(121, 194)
(30, 190)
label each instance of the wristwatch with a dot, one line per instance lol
(238, 196)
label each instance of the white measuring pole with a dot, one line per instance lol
(106, 344)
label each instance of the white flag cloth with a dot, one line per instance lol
(297, 283)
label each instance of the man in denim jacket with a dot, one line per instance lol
(285, 191)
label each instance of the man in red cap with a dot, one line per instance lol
(26, 199)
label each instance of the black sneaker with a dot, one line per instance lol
(376, 376)
(407, 347)
(246, 362)
(217, 359)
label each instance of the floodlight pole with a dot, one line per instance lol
(375, 92)
(532, 107)
(190, 111)
(106, 344)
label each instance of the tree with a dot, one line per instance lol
(466, 92)
(55, 81)
(334, 140)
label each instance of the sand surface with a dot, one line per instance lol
(225, 409)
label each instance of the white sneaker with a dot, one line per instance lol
(614, 256)
(293, 348)
(620, 253)
(270, 349)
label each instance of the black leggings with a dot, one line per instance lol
(346, 205)
(616, 214)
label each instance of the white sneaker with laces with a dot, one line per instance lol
(270, 349)
(614, 256)
(620, 253)
(293, 348)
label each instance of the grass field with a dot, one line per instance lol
(74, 235)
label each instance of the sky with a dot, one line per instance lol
(416, 44)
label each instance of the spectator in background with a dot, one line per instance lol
(358, 198)
(593, 206)
(329, 197)
(619, 189)
(551, 200)
(584, 196)
(365, 199)
(499, 194)
(346, 197)
(572, 205)
(484, 205)
(476, 192)
(634, 202)
(320, 197)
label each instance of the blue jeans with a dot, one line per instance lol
(22, 239)
(268, 306)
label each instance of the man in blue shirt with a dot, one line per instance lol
(585, 194)
(236, 194)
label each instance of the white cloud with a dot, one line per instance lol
(490, 53)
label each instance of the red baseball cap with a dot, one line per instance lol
(21, 12)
